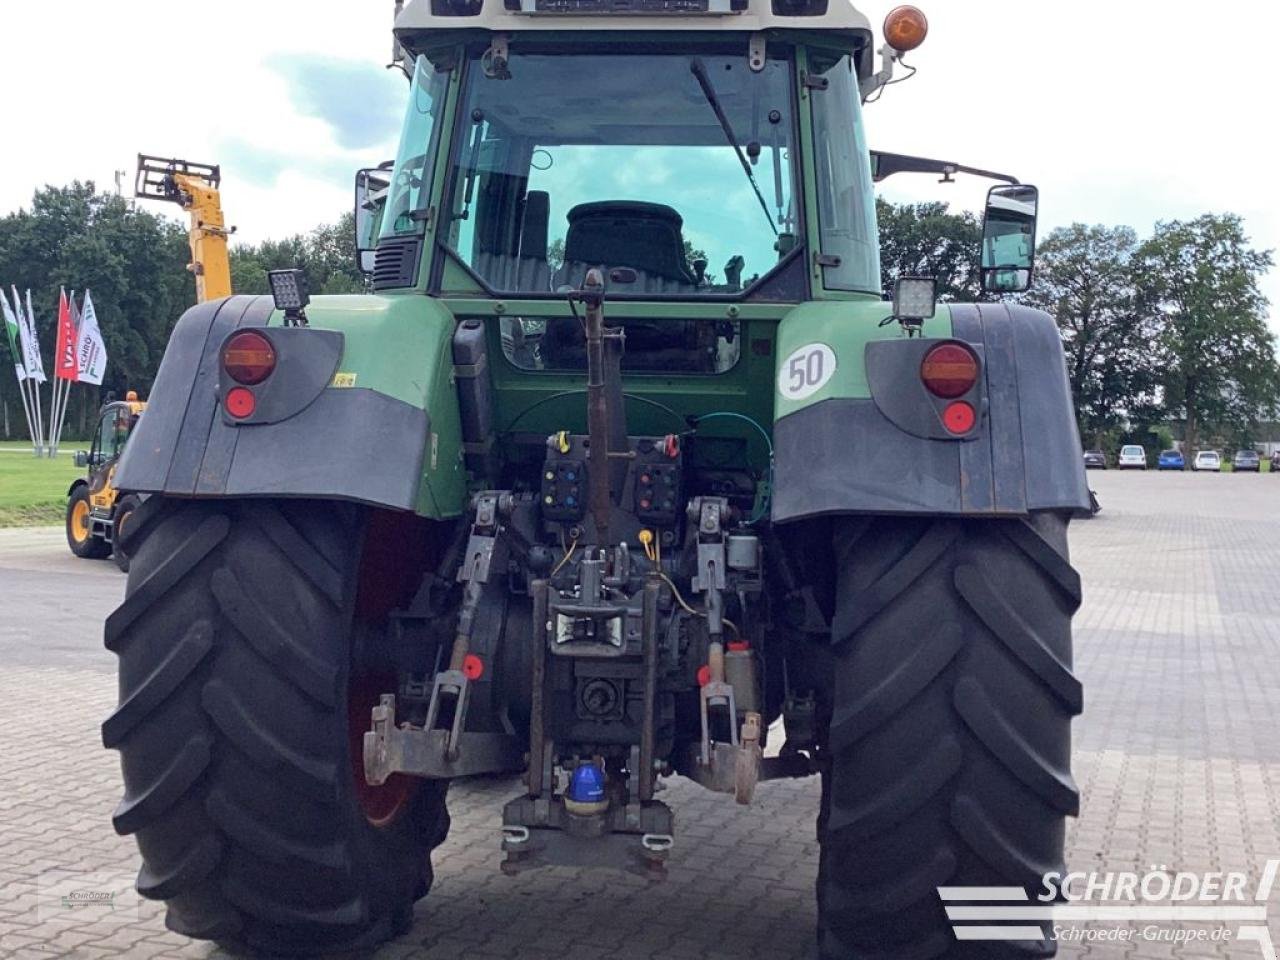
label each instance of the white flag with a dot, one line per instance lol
(35, 340)
(14, 330)
(91, 354)
(26, 333)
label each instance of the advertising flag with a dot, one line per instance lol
(11, 327)
(35, 341)
(29, 353)
(65, 366)
(90, 350)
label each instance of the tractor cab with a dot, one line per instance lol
(95, 506)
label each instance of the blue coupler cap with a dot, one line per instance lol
(587, 784)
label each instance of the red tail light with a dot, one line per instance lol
(248, 357)
(949, 370)
(240, 402)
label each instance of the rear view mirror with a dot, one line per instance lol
(1009, 238)
(82, 458)
(371, 197)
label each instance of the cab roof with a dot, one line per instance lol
(537, 15)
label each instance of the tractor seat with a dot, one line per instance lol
(628, 233)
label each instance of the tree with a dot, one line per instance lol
(327, 254)
(1219, 363)
(924, 240)
(1084, 278)
(133, 261)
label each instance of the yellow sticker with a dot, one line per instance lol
(344, 380)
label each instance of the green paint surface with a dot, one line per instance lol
(846, 328)
(401, 346)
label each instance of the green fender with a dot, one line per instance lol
(856, 431)
(361, 406)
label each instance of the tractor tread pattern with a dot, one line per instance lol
(949, 739)
(273, 756)
(143, 806)
(243, 828)
(1019, 636)
(310, 562)
(918, 669)
(867, 604)
(166, 575)
(232, 731)
(164, 679)
(195, 865)
(1008, 746)
(280, 647)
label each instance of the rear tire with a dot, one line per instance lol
(80, 536)
(950, 730)
(121, 516)
(241, 781)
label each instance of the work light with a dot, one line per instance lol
(914, 298)
(290, 293)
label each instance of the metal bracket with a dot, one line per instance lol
(718, 695)
(389, 749)
(494, 61)
(730, 767)
(756, 52)
(869, 85)
(452, 683)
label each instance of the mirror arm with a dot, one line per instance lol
(887, 164)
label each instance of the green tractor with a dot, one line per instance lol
(626, 469)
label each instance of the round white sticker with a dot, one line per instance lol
(806, 371)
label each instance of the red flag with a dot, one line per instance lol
(66, 367)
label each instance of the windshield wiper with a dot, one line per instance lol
(709, 92)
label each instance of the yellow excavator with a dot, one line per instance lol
(194, 187)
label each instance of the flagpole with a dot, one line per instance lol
(54, 422)
(35, 346)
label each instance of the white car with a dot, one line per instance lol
(1207, 460)
(1132, 457)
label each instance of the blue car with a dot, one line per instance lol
(1170, 460)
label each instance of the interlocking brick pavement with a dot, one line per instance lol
(1177, 755)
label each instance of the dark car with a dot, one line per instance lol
(1246, 461)
(1095, 460)
(1171, 460)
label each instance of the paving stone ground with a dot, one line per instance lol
(1177, 754)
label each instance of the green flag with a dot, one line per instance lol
(11, 328)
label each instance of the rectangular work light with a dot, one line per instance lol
(914, 298)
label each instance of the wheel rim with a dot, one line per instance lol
(381, 805)
(80, 521)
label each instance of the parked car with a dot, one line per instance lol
(1095, 460)
(1171, 460)
(1207, 460)
(1246, 461)
(1132, 457)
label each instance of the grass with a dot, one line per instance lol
(67, 447)
(34, 491)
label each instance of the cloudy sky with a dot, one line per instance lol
(1122, 111)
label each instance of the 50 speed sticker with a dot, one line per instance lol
(806, 371)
